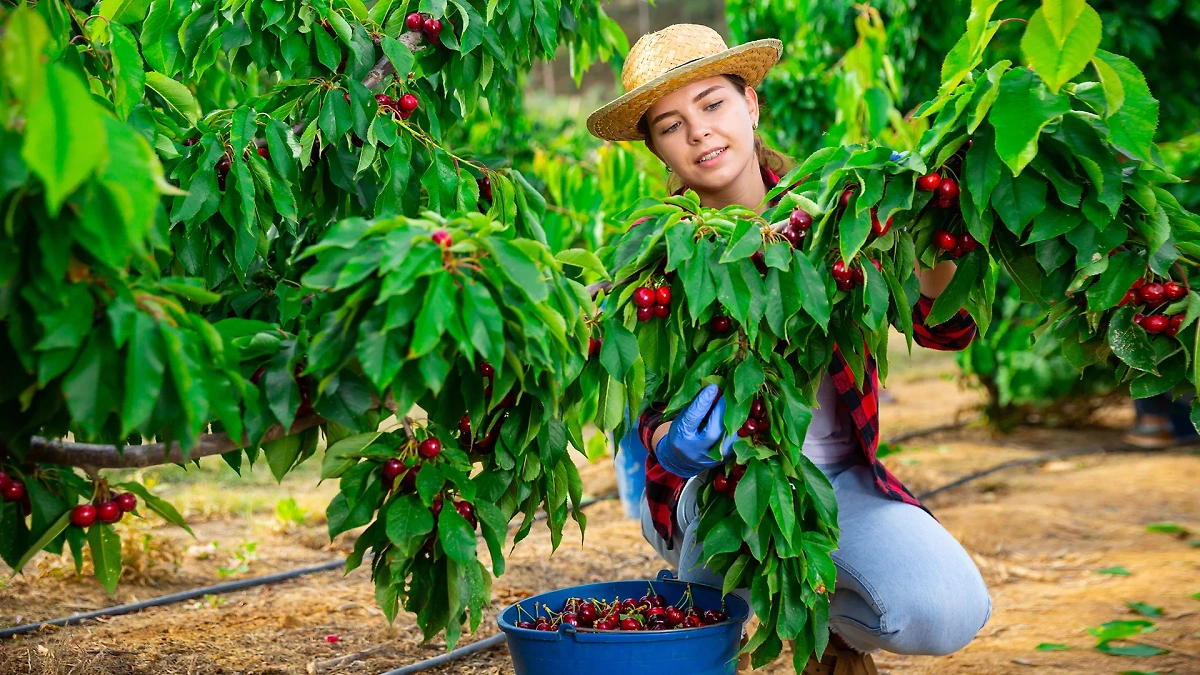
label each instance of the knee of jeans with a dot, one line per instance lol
(942, 628)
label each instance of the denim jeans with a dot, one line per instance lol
(904, 584)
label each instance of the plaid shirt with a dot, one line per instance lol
(663, 487)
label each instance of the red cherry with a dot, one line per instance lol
(409, 481)
(944, 240)
(464, 425)
(1130, 296)
(968, 242)
(792, 235)
(674, 616)
(758, 409)
(800, 219)
(856, 276)
(405, 114)
(1171, 331)
(713, 616)
(760, 261)
(876, 227)
(594, 346)
(1155, 323)
(587, 612)
(442, 238)
(414, 21)
(14, 491)
(222, 166)
(486, 369)
(749, 428)
(1175, 290)
(944, 203)
(957, 252)
(844, 285)
(739, 470)
(661, 311)
(327, 26)
(845, 198)
(4, 480)
(188, 142)
(645, 314)
(929, 182)
(407, 103)
(643, 296)
(83, 515)
(436, 507)
(429, 448)
(662, 295)
(384, 100)
(720, 324)
(948, 189)
(877, 265)
(1153, 294)
(432, 28)
(1177, 321)
(528, 625)
(841, 272)
(544, 627)
(109, 512)
(720, 482)
(630, 624)
(605, 625)
(263, 152)
(127, 501)
(391, 469)
(692, 622)
(332, 639)
(466, 510)
(570, 618)
(1138, 319)
(1138, 284)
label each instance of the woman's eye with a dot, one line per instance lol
(670, 128)
(714, 105)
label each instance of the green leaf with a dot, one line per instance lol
(175, 94)
(1145, 609)
(1124, 268)
(968, 51)
(753, 494)
(1129, 342)
(340, 456)
(516, 264)
(1060, 40)
(156, 504)
(726, 537)
(21, 54)
(1138, 651)
(1051, 647)
(399, 54)
(965, 280)
(144, 366)
(106, 555)
(439, 305)
(495, 529)
(813, 296)
(982, 169)
(745, 240)
(48, 536)
(1023, 108)
(1117, 570)
(129, 75)
(64, 135)
(282, 454)
(1110, 82)
(1132, 127)
(409, 522)
(457, 537)
(1019, 200)
(582, 258)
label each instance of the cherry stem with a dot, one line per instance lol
(408, 430)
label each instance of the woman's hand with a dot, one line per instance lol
(936, 279)
(684, 449)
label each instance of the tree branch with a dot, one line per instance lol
(151, 454)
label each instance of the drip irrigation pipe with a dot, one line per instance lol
(1039, 459)
(227, 587)
(481, 645)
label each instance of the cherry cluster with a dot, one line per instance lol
(847, 277)
(650, 612)
(797, 227)
(652, 302)
(430, 27)
(727, 485)
(945, 189)
(485, 445)
(1152, 295)
(109, 512)
(402, 107)
(757, 421)
(956, 245)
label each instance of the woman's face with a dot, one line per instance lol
(704, 131)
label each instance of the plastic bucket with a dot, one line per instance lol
(707, 650)
(630, 459)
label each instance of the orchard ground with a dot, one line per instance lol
(1039, 534)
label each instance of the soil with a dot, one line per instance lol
(1039, 534)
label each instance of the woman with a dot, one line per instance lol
(904, 583)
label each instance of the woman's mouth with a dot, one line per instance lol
(710, 158)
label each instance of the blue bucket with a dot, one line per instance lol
(707, 650)
(630, 461)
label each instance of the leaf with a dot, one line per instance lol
(175, 94)
(282, 454)
(1060, 40)
(338, 457)
(1138, 650)
(982, 169)
(399, 54)
(409, 522)
(1110, 82)
(1167, 527)
(745, 240)
(619, 350)
(519, 268)
(582, 258)
(1117, 570)
(158, 505)
(64, 135)
(48, 536)
(753, 495)
(1132, 127)
(1145, 610)
(106, 555)
(1129, 342)
(144, 366)
(1023, 108)
(439, 305)
(968, 51)
(129, 75)
(457, 537)
(1051, 647)
(965, 280)
(1019, 200)
(495, 529)
(1124, 268)
(813, 296)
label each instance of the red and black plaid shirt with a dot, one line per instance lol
(663, 487)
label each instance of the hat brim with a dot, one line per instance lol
(618, 120)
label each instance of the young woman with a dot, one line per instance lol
(904, 584)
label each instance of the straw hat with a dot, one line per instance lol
(675, 56)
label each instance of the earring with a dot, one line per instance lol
(668, 167)
(754, 125)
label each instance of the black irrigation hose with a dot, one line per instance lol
(194, 593)
(481, 645)
(1044, 457)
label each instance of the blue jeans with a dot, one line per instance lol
(904, 584)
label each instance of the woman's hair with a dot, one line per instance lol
(768, 157)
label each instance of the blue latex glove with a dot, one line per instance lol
(684, 450)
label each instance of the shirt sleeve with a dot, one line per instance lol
(954, 334)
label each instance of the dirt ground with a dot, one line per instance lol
(1040, 535)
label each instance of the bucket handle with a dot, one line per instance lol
(666, 575)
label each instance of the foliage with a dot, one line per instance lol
(1057, 181)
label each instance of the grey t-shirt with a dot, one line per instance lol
(830, 436)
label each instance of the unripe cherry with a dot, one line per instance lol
(442, 238)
